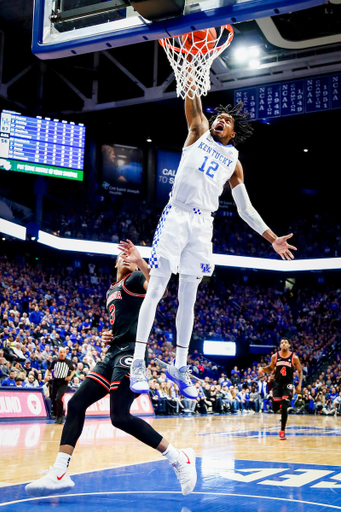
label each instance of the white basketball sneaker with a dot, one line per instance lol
(54, 482)
(181, 377)
(138, 377)
(185, 470)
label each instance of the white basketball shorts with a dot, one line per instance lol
(184, 238)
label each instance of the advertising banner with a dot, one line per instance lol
(167, 165)
(140, 407)
(122, 170)
(22, 403)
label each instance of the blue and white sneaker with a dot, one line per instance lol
(138, 377)
(181, 377)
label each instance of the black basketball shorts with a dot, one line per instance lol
(283, 391)
(114, 367)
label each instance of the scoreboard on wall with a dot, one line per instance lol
(42, 146)
(293, 97)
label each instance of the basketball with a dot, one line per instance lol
(201, 40)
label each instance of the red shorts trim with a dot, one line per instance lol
(98, 375)
(97, 380)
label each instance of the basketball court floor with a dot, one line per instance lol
(242, 465)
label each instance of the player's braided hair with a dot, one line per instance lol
(242, 123)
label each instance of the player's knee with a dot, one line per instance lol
(156, 289)
(120, 421)
(74, 406)
(285, 404)
(276, 404)
(188, 287)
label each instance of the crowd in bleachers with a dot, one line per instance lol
(316, 236)
(43, 309)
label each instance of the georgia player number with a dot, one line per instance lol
(112, 314)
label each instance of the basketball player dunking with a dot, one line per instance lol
(124, 299)
(283, 363)
(183, 238)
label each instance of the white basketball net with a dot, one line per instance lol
(192, 63)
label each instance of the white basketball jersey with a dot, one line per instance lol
(204, 168)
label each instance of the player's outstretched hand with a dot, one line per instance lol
(282, 247)
(130, 253)
(107, 336)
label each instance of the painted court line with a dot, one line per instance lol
(4, 484)
(286, 500)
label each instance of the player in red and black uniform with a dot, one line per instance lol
(283, 364)
(123, 301)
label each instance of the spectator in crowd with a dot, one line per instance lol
(10, 380)
(255, 398)
(19, 382)
(31, 382)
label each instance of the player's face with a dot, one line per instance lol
(285, 345)
(222, 128)
(124, 267)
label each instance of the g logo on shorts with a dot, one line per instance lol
(126, 361)
(290, 386)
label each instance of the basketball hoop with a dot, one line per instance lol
(191, 57)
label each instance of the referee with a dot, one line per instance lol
(62, 371)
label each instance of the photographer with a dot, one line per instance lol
(329, 409)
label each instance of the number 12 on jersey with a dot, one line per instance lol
(213, 167)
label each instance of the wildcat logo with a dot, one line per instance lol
(206, 269)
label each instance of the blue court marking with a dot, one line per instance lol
(223, 484)
(273, 431)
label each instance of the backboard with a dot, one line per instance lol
(62, 28)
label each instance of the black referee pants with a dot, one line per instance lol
(59, 387)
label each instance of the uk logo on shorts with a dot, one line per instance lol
(205, 268)
(126, 361)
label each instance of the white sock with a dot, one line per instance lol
(62, 461)
(172, 454)
(140, 350)
(181, 357)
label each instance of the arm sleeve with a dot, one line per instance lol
(246, 211)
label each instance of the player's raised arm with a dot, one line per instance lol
(131, 255)
(250, 215)
(197, 122)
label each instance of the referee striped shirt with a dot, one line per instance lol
(61, 368)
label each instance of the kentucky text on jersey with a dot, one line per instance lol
(215, 154)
